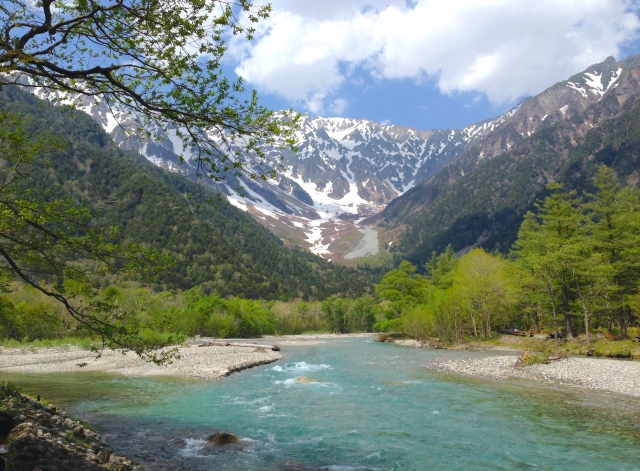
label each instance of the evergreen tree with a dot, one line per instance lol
(614, 233)
(544, 249)
(440, 267)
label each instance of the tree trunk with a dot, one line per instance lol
(623, 324)
(567, 313)
(536, 319)
(555, 321)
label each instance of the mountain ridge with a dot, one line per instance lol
(479, 199)
(217, 247)
(345, 169)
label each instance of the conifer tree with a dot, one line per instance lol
(544, 249)
(614, 232)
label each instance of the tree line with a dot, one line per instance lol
(27, 315)
(574, 267)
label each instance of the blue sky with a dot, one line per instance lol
(427, 64)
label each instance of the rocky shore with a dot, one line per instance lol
(45, 439)
(613, 376)
(206, 362)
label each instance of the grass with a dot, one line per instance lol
(533, 358)
(85, 343)
(10, 390)
(149, 335)
(598, 348)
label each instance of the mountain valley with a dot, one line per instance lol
(349, 174)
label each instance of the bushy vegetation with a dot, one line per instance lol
(458, 298)
(29, 317)
(575, 267)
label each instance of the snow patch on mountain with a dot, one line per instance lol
(596, 82)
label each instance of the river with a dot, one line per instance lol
(364, 406)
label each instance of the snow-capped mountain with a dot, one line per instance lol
(556, 136)
(565, 100)
(346, 169)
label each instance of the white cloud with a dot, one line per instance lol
(501, 48)
(339, 106)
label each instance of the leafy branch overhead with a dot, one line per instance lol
(48, 243)
(158, 60)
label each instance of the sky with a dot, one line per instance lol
(426, 64)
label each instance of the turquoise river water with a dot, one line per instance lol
(369, 406)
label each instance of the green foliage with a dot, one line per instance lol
(583, 254)
(419, 322)
(403, 288)
(486, 289)
(47, 242)
(299, 318)
(473, 297)
(10, 390)
(335, 310)
(441, 267)
(134, 56)
(388, 325)
(533, 358)
(361, 314)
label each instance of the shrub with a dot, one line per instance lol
(388, 325)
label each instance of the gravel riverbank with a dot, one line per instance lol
(614, 376)
(206, 362)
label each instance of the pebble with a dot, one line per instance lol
(616, 376)
(200, 362)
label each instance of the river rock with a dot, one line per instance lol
(47, 441)
(222, 438)
(292, 465)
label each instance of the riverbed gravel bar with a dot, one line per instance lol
(207, 362)
(614, 376)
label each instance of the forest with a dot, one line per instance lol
(574, 269)
(212, 244)
(208, 269)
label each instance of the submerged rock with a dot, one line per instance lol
(222, 438)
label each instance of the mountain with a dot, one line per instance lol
(560, 135)
(215, 246)
(344, 170)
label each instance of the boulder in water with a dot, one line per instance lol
(291, 465)
(304, 380)
(222, 438)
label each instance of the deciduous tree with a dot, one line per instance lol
(158, 60)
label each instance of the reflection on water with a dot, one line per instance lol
(352, 404)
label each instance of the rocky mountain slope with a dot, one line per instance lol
(345, 169)
(216, 246)
(559, 135)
